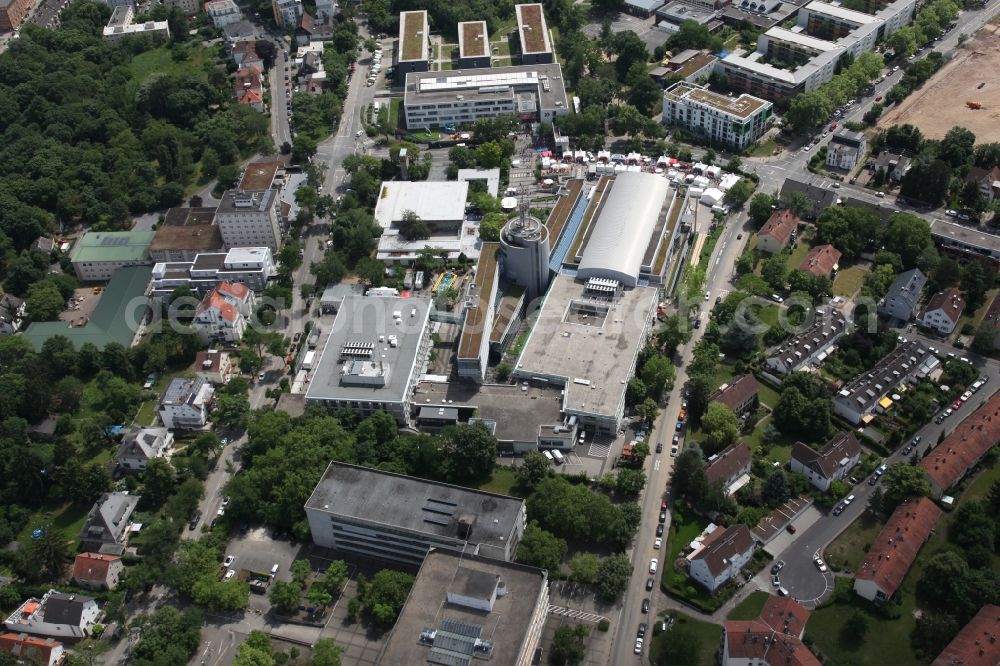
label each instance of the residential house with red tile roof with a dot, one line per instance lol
(740, 396)
(961, 451)
(821, 261)
(829, 464)
(32, 650)
(943, 310)
(245, 53)
(777, 231)
(224, 312)
(724, 553)
(249, 87)
(97, 571)
(895, 550)
(977, 644)
(772, 639)
(730, 468)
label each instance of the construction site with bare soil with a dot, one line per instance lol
(965, 92)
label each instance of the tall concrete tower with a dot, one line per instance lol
(524, 249)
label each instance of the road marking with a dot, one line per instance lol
(656, 465)
(576, 614)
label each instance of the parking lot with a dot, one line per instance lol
(650, 35)
(83, 302)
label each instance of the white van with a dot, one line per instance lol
(274, 571)
(559, 457)
(548, 454)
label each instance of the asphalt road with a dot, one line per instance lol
(280, 131)
(800, 576)
(660, 467)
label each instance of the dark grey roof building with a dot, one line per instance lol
(900, 301)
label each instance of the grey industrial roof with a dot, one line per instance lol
(395, 501)
(594, 359)
(970, 237)
(623, 226)
(848, 138)
(363, 319)
(907, 287)
(265, 198)
(427, 607)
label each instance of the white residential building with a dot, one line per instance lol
(224, 313)
(733, 121)
(846, 149)
(326, 9)
(138, 447)
(287, 12)
(56, 614)
(250, 218)
(121, 26)
(943, 311)
(185, 403)
(829, 464)
(223, 12)
(723, 554)
(252, 266)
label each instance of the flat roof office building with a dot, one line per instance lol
(473, 45)
(465, 607)
(399, 518)
(536, 46)
(377, 348)
(534, 93)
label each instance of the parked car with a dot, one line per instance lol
(777, 566)
(228, 561)
(638, 646)
(850, 498)
(649, 583)
(775, 582)
(663, 516)
(839, 509)
(645, 609)
(653, 563)
(820, 564)
(673, 451)
(659, 447)
(658, 543)
(790, 528)
(659, 530)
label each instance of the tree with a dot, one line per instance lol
(412, 228)
(738, 194)
(760, 208)
(977, 278)
(471, 452)
(903, 481)
(720, 427)
(44, 303)
(568, 648)
(326, 653)
(956, 148)
(168, 636)
(585, 567)
(534, 467)
(301, 569)
(335, 577)
(674, 332)
(808, 111)
(856, 627)
(386, 593)
(648, 410)
(489, 155)
(255, 650)
(613, 575)
(231, 411)
(630, 49)
(285, 596)
(491, 226)
(158, 481)
(775, 489)
(44, 558)
(774, 271)
(689, 479)
(700, 387)
(540, 548)
(657, 374)
(926, 181)
(318, 596)
(908, 236)
(630, 482)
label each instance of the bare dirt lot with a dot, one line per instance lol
(940, 104)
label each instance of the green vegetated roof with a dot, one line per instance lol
(122, 305)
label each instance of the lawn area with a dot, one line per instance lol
(67, 517)
(848, 550)
(146, 415)
(848, 281)
(764, 149)
(768, 396)
(798, 254)
(749, 608)
(161, 61)
(502, 481)
(723, 373)
(781, 451)
(503, 48)
(980, 486)
(684, 529)
(768, 315)
(708, 637)
(887, 641)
